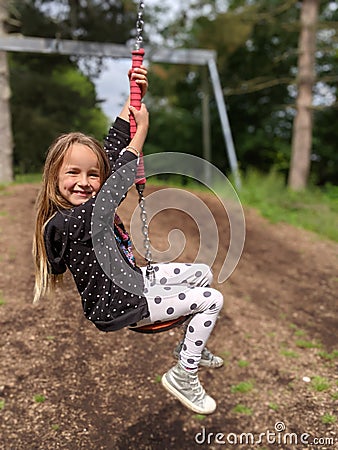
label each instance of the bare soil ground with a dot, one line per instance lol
(65, 385)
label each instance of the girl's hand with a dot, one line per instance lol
(142, 124)
(141, 117)
(139, 75)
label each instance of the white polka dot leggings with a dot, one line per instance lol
(181, 290)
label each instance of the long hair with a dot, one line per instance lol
(49, 201)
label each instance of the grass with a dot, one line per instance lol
(289, 353)
(22, 179)
(329, 356)
(301, 343)
(320, 384)
(243, 387)
(242, 409)
(225, 354)
(273, 406)
(314, 209)
(199, 416)
(27, 178)
(243, 363)
(297, 332)
(158, 378)
(39, 398)
(2, 300)
(329, 419)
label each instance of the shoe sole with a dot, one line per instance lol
(183, 399)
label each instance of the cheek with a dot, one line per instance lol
(64, 183)
(97, 186)
(61, 183)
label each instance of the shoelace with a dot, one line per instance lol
(207, 354)
(196, 386)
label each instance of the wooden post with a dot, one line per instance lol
(302, 126)
(6, 141)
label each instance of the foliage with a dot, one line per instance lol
(50, 94)
(44, 107)
(256, 44)
(175, 123)
(91, 20)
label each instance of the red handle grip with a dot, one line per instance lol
(135, 100)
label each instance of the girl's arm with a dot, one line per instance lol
(142, 122)
(119, 134)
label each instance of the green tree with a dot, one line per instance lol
(47, 105)
(256, 43)
(50, 94)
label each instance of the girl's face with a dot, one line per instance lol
(79, 176)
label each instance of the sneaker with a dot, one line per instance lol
(186, 387)
(208, 359)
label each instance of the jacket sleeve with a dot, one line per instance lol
(118, 138)
(55, 243)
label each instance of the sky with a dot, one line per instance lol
(113, 86)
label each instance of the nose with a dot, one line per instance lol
(83, 181)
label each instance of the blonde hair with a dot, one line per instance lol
(49, 201)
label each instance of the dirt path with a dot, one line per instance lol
(65, 385)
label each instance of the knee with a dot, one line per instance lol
(207, 275)
(217, 301)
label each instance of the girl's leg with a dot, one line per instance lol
(203, 303)
(192, 296)
(191, 275)
(182, 380)
(179, 292)
(197, 274)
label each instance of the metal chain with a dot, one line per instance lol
(145, 229)
(139, 26)
(150, 272)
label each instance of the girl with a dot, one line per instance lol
(75, 176)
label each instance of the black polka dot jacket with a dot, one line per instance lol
(83, 239)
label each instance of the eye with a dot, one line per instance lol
(71, 172)
(94, 175)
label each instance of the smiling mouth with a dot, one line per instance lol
(82, 193)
